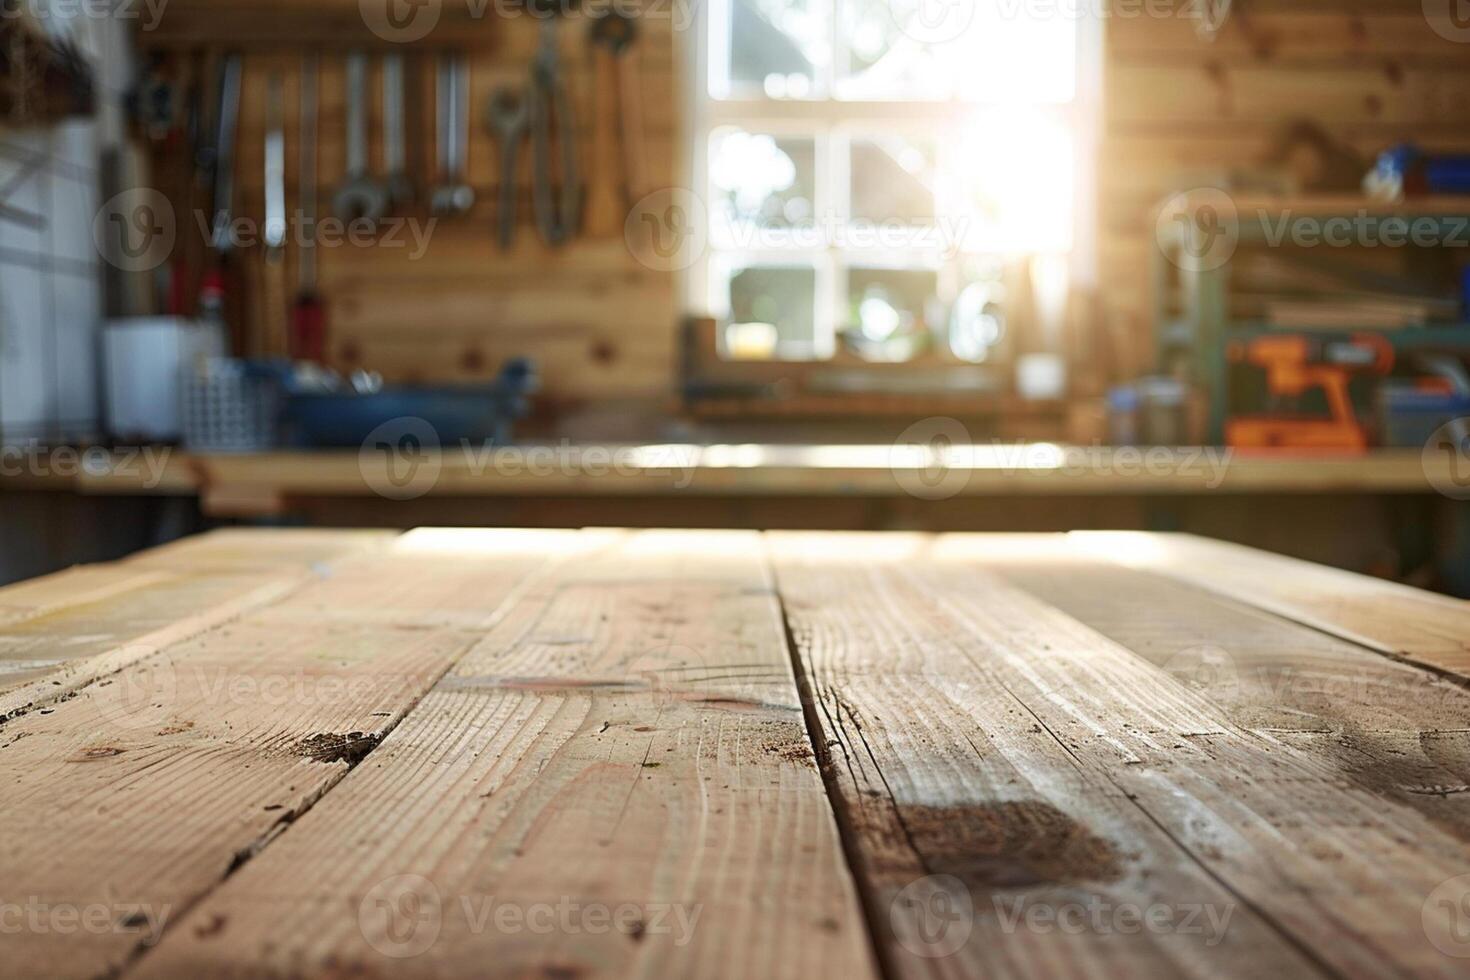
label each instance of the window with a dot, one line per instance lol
(869, 166)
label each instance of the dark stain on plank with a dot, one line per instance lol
(1021, 844)
(350, 748)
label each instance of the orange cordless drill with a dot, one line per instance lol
(1295, 364)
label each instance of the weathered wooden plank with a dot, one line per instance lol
(1423, 627)
(72, 587)
(1343, 875)
(1387, 726)
(132, 800)
(260, 549)
(974, 829)
(626, 744)
(102, 618)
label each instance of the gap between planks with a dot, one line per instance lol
(153, 799)
(629, 732)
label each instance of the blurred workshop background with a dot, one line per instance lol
(1191, 265)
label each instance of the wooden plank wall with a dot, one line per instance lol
(1369, 72)
(599, 324)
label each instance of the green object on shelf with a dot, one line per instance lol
(1191, 268)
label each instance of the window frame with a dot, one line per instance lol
(833, 123)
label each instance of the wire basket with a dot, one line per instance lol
(230, 408)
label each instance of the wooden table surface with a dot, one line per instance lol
(603, 753)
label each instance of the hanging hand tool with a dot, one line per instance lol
(308, 317)
(508, 117)
(359, 197)
(619, 93)
(557, 210)
(221, 284)
(400, 186)
(273, 311)
(223, 156)
(1295, 365)
(452, 124)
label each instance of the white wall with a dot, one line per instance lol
(50, 278)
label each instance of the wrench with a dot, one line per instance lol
(508, 117)
(400, 187)
(275, 169)
(224, 153)
(359, 196)
(453, 195)
(557, 219)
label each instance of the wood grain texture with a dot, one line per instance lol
(954, 796)
(133, 799)
(627, 737)
(91, 621)
(1340, 875)
(1387, 726)
(1428, 629)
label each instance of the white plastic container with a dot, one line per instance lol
(144, 359)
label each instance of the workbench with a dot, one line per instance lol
(608, 753)
(250, 484)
